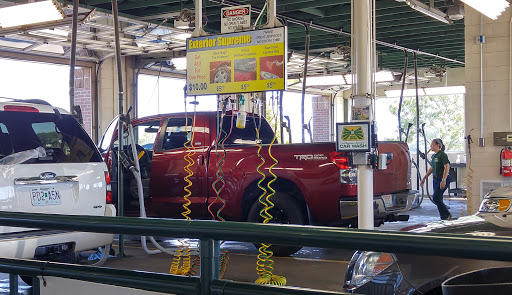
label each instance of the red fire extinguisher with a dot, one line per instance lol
(506, 159)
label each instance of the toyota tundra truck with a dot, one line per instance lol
(315, 184)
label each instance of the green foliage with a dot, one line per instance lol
(443, 116)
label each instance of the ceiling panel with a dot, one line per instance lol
(396, 23)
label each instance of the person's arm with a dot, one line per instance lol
(426, 175)
(445, 174)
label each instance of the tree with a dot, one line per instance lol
(443, 118)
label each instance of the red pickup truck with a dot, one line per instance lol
(315, 184)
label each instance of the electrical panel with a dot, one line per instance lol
(502, 138)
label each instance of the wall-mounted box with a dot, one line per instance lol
(502, 138)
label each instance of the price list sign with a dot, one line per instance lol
(250, 61)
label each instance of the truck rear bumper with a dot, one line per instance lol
(382, 205)
(24, 244)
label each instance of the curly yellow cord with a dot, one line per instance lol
(265, 263)
(184, 251)
(468, 184)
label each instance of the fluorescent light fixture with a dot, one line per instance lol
(428, 91)
(383, 76)
(445, 90)
(30, 13)
(180, 63)
(490, 8)
(326, 80)
(429, 10)
(183, 36)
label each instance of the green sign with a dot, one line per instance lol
(353, 137)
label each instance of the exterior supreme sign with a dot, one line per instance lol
(240, 62)
(236, 18)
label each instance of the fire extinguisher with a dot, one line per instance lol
(506, 159)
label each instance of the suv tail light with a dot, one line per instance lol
(340, 160)
(109, 188)
(13, 108)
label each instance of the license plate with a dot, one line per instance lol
(45, 196)
(388, 200)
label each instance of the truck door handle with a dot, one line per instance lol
(200, 160)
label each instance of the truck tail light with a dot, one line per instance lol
(340, 160)
(109, 188)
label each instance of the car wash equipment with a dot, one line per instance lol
(265, 263)
(242, 114)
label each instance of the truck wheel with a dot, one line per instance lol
(285, 211)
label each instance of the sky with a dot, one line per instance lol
(32, 80)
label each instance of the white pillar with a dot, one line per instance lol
(272, 20)
(361, 40)
(198, 30)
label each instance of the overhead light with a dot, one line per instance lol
(183, 36)
(180, 63)
(30, 13)
(428, 91)
(445, 90)
(490, 8)
(383, 76)
(326, 80)
(429, 10)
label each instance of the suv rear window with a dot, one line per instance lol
(60, 135)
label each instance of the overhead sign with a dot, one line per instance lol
(353, 137)
(235, 19)
(250, 61)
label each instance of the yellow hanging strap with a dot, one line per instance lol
(184, 248)
(265, 263)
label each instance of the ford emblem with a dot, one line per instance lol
(47, 175)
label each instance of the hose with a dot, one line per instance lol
(224, 259)
(468, 178)
(265, 263)
(184, 249)
(142, 209)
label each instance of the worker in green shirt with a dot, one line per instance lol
(440, 168)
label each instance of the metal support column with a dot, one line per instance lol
(208, 259)
(361, 40)
(120, 128)
(13, 284)
(198, 31)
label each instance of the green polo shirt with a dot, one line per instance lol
(438, 161)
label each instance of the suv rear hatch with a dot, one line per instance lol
(48, 163)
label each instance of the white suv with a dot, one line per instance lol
(48, 164)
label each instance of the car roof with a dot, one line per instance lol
(40, 105)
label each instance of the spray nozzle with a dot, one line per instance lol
(242, 115)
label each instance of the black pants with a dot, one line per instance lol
(438, 196)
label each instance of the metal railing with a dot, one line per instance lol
(211, 232)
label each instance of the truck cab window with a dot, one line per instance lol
(176, 133)
(248, 134)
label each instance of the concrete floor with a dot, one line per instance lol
(316, 268)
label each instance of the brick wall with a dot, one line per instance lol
(321, 119)
(83, 95)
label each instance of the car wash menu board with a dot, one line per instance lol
(239, 62)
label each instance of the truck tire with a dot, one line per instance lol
(285, 211)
